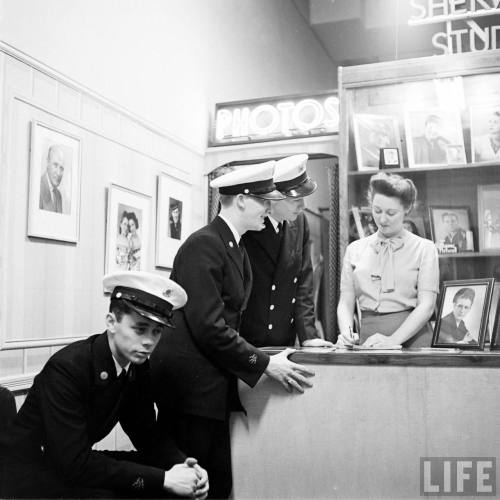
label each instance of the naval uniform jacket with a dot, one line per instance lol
(195, 365)
(74, 402)
(281, 305)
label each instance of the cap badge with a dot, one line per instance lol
(104, 375)
(118, 295)
(246, 191)
(167, 292)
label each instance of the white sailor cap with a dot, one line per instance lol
(290, 177)
(150, 295)
(255, 180)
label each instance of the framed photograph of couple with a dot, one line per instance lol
(485, 133)
(54, 184)
(451, 228)
(463, 313)
(128, 230)
(173, 216)
(488, 209)
(373, 134)
(434, 138)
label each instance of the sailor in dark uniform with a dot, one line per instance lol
(281, 305)
(83, 391)
(196, 366)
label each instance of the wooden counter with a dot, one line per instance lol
(361, 430)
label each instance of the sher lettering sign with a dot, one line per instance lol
(463, 32)
(275, 118)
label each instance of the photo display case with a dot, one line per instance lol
(442, 114)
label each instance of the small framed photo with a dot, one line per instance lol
(451, 229)
(415, 224)
(54, 184)
(495, 298)
(485, 133)
(173, 216)
(463, 313)
(128, 230)
(389, 158)
(495, 326)
(488, 201)
(434, 138)
(373, 133)
(363, 218)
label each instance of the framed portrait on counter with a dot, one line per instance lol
(415, 224)
(173, 218)
(374, 134)
(488, 209)
(434, 138)
(128, 230)
(54, 184)
(451, 228)
(463, 312)
(485, 133)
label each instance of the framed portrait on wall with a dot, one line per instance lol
(173, 218)
(373, 133)
(128, 230)
(434, 138)
(54, 184)
(488, 209)
(463, 313)
(485, 133)
(451, 228)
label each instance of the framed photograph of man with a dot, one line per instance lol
(415, 224)
(451, 228)
(463, 313)
(363, 218)
(434, 138)
(128, 230)
(373, 133)
(173, 216)
(485, 133)
(488, 209)
(54, 184)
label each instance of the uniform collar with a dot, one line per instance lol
(118, 367)
(274, 222)
(236, 235)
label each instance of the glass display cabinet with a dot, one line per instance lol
(435, 120)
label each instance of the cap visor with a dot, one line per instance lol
(303, 190)
(273, 195)
(163, 320)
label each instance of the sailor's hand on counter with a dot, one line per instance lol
(379, 340)
(316, 343)
(347, 338)
(289, 374)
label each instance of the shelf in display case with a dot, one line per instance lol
(469, 255)
(482, 165)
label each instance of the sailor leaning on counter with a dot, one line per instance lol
(393, 274)
(199, 380)
(281, 306)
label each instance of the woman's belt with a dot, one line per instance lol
(368, 312)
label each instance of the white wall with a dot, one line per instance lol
(170, 61)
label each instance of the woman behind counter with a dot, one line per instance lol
(393, 274)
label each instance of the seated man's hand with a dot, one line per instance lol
(182, 480)
(202, 487)
(290, 375)
(316, 343)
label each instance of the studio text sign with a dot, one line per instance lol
(462, 31)
(276, 118)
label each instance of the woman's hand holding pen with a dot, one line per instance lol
(347, 338)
